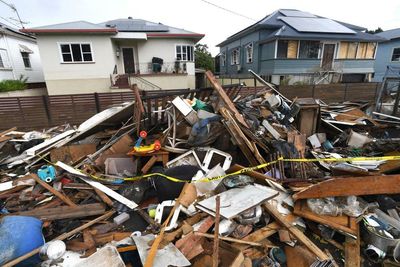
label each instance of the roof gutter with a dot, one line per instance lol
(110, 30)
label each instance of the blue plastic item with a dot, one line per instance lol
(47, 173)
(18, 236)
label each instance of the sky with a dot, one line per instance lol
(197, 15)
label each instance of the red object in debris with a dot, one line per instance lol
(157, 145)
(143, 134)
(65, 181)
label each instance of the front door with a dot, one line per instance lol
(129, 60)
(327, 56)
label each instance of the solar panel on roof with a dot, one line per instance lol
(316, 25)
(297, 13)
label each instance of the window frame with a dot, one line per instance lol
(247, 46)
(26, 58)
(391, 57)
(186, 53)
(237, 62)
(308, 49)
(2, 66)
(223, 59)
(6, 64)
(72, 57)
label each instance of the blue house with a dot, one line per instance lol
(291, 46)
(388, 56)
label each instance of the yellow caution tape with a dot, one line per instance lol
(241, 171)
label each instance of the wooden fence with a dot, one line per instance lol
(337, 92)
(38, 112)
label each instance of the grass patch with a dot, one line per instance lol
(13, 85)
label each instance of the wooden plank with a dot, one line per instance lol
(352, 186)
(340, 223)
(60, 195)
(225, 98)
(72, 153)
(7, 131)
(352, 249)
(296, 232)
(64, 212)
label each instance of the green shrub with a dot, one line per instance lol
(13, 85)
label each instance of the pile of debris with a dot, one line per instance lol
(321, 189)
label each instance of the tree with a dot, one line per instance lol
(378, 30)
(203, 58)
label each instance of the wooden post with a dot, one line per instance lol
(216, 232)
(45, 99)
(97, 101)
(225, 98)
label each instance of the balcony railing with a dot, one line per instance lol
(166, 67)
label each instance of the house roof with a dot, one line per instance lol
(152, 29)
(4, 28)
(293, 23)
(71, 27)
(390, 34)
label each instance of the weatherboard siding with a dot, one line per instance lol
(289, 66)
(354, 65)
(384, 58)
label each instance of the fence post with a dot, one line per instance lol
(46, 104)
(97, 101)
(313, 91)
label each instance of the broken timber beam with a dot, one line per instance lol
(296, 232)
(64, 212)
(228, 102)
(60, 195)
(352, 186)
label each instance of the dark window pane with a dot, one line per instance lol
(65, 48)
(178, 49)
(282, 49)
(1, 62)
(308, 49)
(87, 57)
(190, 54)
(396, 54)
(76, 52)
(86, 48)
(67, 58)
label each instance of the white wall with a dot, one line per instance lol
(15, 63)
(162, 48)
(96, 74)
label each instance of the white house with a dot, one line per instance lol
(82, 57)
(19, 55)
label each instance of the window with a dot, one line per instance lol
(76, 53)
(396, 54)
(184, 53)
(4, 63)
(348, 50)
(25, 58)
(309, 49)
(223, 59)
(287, 49)
(353, 50)
(249, 53)
(235, 56)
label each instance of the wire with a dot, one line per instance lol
(225, 9)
